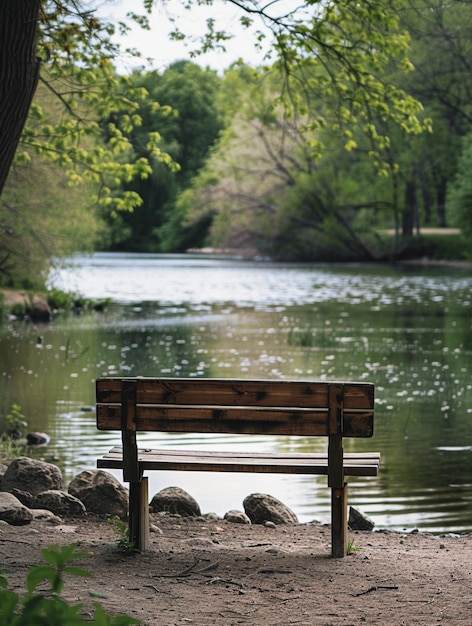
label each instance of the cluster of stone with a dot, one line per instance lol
(259, 508)
(32, 489)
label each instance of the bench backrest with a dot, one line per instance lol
(236, 406)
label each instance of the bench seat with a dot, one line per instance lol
(355, 464)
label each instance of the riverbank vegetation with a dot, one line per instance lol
(359, 122)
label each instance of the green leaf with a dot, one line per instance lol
(77, 571)
(38, 574)
(8, 605)
(96, 594)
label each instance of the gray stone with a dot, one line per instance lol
(3, 469)
(40, 311)
(359, 521)
(269, 524)
(37, 439)
(100, 492)
(59, 502)
(237, 517)
(12, 511)
(23, 496)
(262, 508)
(46, 516)
(175, 500)
(32, 476)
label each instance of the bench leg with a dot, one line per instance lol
(339, 521)
(139, 514)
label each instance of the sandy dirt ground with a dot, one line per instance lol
(215, 573)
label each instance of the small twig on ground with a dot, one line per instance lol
(226, 581)
(208, 568)
(375, 588)
(185, 572)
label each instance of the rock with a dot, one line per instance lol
(3, 469)
(46, 516)
(59, 502)
(214, 517)
(175, 500)
(359, 521)
(40, 311)
(32, 476)
(23, 496)
(37, 439)
(12, 511)
(237, 517)
(100, 492)
(261, 508)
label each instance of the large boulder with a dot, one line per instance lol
(32, 476)
(12, 511)
(262, 508)
(59, 502)
(100, 492)
(175, 500)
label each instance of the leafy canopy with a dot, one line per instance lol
(78, 53)
(333, 49)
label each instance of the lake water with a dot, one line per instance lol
(408, 330)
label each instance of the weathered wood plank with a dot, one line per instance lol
(216, 419)
(339, 522)
(284, 463)
(303, 394)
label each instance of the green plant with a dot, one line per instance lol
(10, 449)
(60, 300)
(304, 338)
(124, 542)
(15, 421)
(38, 608)
(351, 548)
(19, 309)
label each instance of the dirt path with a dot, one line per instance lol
(215, 573)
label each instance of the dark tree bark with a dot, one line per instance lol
(441, 202)
(19, 71)
(408, 215)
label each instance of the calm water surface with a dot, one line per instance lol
(408, 330)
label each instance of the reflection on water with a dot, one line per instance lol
(407, 330)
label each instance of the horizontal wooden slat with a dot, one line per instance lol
(355, 464)
(230, 392)
(234, 420)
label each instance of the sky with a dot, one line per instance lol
(157, 44)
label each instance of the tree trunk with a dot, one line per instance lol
(19, 71)
(408, 215)
(441, 202)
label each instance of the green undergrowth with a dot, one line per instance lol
(43, 604)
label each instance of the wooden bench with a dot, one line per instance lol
(263, 407)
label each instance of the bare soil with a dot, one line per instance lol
(215, 573)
